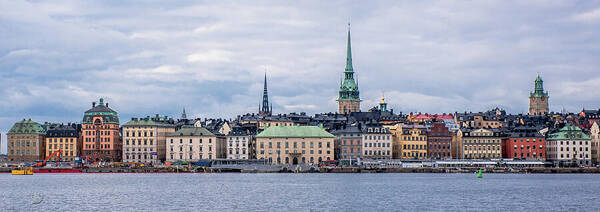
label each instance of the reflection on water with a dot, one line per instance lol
(293, 192)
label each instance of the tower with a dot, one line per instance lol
(349, 99)
(382, 104)
(184, 115)
(538, 99)
(265, 109)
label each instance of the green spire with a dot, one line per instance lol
(349, 54)
(538, 90)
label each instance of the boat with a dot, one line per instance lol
(23, 171)
(57, 170)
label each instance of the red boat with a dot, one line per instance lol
(57, 170)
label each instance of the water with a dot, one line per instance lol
(299, 192)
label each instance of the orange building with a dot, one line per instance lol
(101, 138)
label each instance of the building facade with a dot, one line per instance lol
(65, 138)
(100, 134)
(569, 146)
(295, 145)
(538, 99)
(240, 143)
(595, 142)
(348, 142)
(349, 97)
(193, 144)
(480, 144)
(413, 142)
(377, 142)
(26, 141)
(439, 141)
(524, 143)
(144, 139)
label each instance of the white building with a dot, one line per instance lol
(144, 139)
(595, 135)
(569, 145)
(193, 144)
(377, 142)
(240, 143)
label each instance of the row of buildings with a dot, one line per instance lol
(296, 138)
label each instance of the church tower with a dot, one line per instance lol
(538, 99)
(348, 100)
(265, 109)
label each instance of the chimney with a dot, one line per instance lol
(107, 104)
(93, 104)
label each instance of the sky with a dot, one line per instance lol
(149, 57)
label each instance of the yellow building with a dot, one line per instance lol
(412, 141)
(480, 144)
(294, 145)
(65, 138)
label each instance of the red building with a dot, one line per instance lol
(100, 132)
(524, 143)
(439, 141)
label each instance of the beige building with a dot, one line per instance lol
(570, 145)
(377, 143)
(65, 138)
(193, 144)
(144, 139)
(26, 141)
(595, 136)
(480, 144)
(295, 145)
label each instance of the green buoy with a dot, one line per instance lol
(479, 175)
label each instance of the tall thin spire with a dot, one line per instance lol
(265, 110)
(183, 115)
(349, 54)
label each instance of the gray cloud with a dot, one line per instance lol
(145, 58)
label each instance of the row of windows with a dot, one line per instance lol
(527, 155)
(439, 146)
(139, 133)
(181, 140)
(278, 152)
(94, 139)
(414, 154)
(295, 144)
(102, 132)
(139, 156)
(523, 140)
(377, 152)
(104, 146)
(302, 160)
(479, 147)
(237, 138)
(527, 147)
(89, 126)
(412, 138)
(57, 146)
(23, 143)
(414, 146)
(19, 152)
(237, 151)
(139, 142)
(139, 149)
(237, 144)
(70, 140)
(191, 148)
(372, 137)
(171, 156)
(483, 156)
(377, 144)
(22, 136)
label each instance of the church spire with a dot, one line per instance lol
(183, 115)
(349, 95)
(349, 55)
(265, 110)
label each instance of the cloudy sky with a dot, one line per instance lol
(148, 57)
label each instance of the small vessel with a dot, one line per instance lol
(479, 175)
(23, 171)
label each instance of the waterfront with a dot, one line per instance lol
(299, 192)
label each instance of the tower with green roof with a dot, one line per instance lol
(349, 98)
(538, 99)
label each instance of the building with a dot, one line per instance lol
(538, 99)
(348, 142)
(349, 98)
(66, 138)
(377, 142)
(274, 121)
(524, 143)
(439, 141)
(265, 109)
(100, 134)
(193, 144)
(569, 146)
(595, 143)
(240, 143)
(144, 139)
(294, 145)
(413, 141)
(26, 141)
(480, 144)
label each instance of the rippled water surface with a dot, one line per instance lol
(299, 192)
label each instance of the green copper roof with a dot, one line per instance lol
(538, 90)
(27, 127)
(349, 86)
(191, 131)
(569, 133)
(145, 122)
(294, 132)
